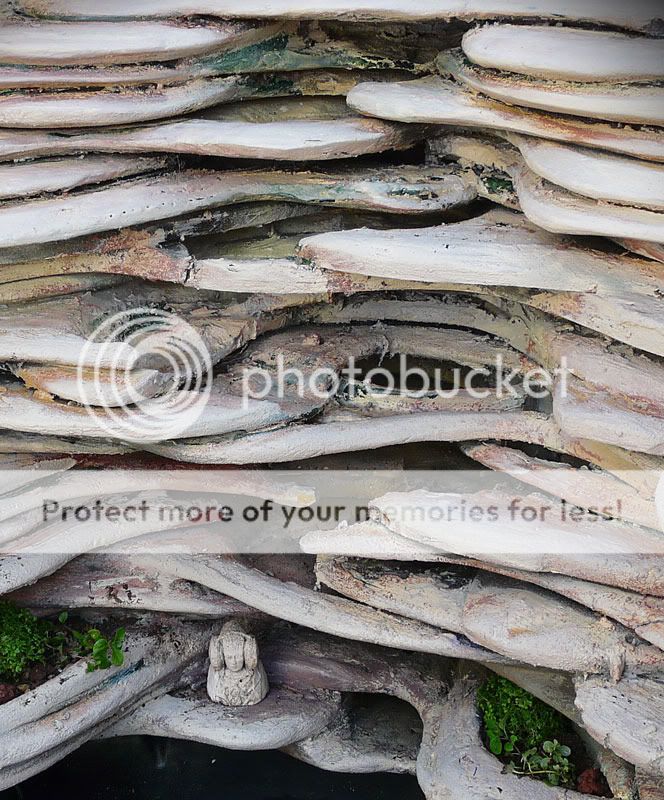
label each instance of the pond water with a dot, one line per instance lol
(145, 768)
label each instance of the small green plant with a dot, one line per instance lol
(102, 652)
(551, 763)
(26, 640)
(23, 640)
(525, 733)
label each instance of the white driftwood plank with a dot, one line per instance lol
(565, 54)
(626, 716)
(80, 109)
(372, 540)
(31, 178)
(560, 211)
(442, 102)
(170, 195)
(496, 249)
(608, 552)
(580, 410)
(568, 483)
(297, 139)
(590, 173)
(284, 717)
(62, 43)
(332, 435)
(488, 610)
(334, 615)
(634, 103)
(639, 15)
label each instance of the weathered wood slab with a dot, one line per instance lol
(626, 716)
(313, 138)
(569, 483)
(284, 717)
(107, 106)
(612, 553)
(32, 178)
(501, 615)
(560, 211)
(611, 420)
(372, 540)
(93, 43)
(442, 102)
(639, 16)
(263, 48)
(76, 109)
(594, 174)
(409, 190)
(634, 103)
(565, 54)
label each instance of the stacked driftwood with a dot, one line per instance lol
(450, 181)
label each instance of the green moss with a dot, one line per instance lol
(23, 640)
(498, 185)
(525, 732)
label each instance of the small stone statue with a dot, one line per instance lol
(236, 676)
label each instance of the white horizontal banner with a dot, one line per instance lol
(368, 513)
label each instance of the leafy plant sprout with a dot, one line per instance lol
(525, 733)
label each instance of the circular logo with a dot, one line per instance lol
(144, 375)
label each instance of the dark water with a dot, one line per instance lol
(143, 768)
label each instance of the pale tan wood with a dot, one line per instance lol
(169, 195)
(597, 175)
(633, 103)
(565, 54)
(37, 177)
(442, 102)
(560, 211)
(60, 43)
(639, 15)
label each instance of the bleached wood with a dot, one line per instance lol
(633, 103)
(442, 102)
(612, 553)
(373, 540)
(569, 483)
(59, 43)
(611, 420)
(560, 211)
(356, 434)
(325, 613)
(593, 174)
(294, 140)
(75, 109)
(284, 717)
(496, 249)
(639, 15)
(565, 54)
(152, 199)
(31, 178)
(488, 610)
(626, 716)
